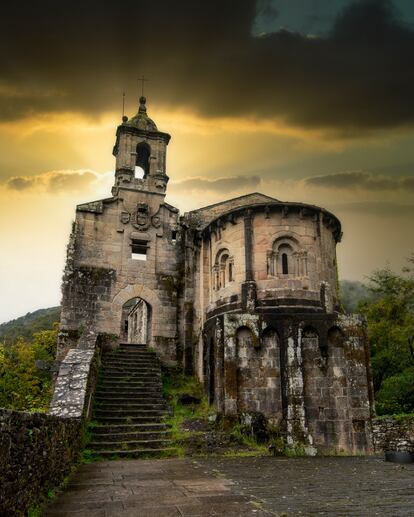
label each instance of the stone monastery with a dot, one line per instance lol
(242, 294)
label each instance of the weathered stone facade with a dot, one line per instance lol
(242, 293)
(37, 451)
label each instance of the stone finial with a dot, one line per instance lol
(142, 106)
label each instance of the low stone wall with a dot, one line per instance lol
(393, 434)
(37, 452)
(76, 379)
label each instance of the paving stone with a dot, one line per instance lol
(306, 487)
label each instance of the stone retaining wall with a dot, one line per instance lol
(37, 452)
(395, 434)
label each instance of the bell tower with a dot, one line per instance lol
(140, 152)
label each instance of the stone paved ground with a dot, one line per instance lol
(239, 487)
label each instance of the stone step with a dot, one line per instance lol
(131, 436)
(140, 381)
(130, 366)
(151, 384)
(129, 361)
(128, 428)
(131, 356)
(131, 350)
(109, 419)
(137, 453)
(135, 356)
(125, 412)
(122, 350)
(130, 370)
(132, 444)
(128, 404)
(128, 346)
(130, 380)
(129, 392)
(149, 398)
(129, 407)
(136, 376)
(126, 387)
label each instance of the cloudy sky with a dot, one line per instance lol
(307, 100)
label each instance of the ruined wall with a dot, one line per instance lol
(101, 274)
(337, 388)
(393, 433)
(308, 374)
(37, 451)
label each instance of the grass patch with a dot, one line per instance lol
(196, 429)
(176, 385)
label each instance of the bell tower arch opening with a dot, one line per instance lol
(142, 160)
(136, 321)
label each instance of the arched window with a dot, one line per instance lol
(285, 264)
(142, 160)
(335, 337)
(224, 259)
(230, 271)
(223, 269)
(286, 259)
(244, 338)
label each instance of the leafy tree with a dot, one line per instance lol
(23, 386)
(390, 316)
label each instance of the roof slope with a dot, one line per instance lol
(206, 214)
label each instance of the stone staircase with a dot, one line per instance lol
(129, 408)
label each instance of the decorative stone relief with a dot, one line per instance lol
(125, 217)
(141, 217)
(156, 220)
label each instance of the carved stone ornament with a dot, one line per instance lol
(156, 220)
(125, 217)
(141, 217)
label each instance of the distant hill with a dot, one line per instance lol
(26, 326)
(351, 293)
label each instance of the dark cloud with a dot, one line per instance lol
(55, 181)
(20, 183)
(203, 56)
(221, 185)
(265, 9)
(361, 180)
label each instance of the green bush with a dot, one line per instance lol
(396, 394)
(23, 386)
(390, 316)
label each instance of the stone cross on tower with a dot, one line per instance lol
(143, 80)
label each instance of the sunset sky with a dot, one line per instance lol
(304, 100)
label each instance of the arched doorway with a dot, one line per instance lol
(136, 321)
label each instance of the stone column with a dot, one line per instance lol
(297, 431)
(248, 288)
(248, 245)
